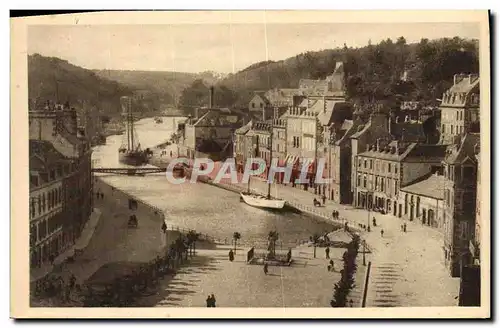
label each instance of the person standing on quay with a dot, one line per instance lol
(265, 269)
(327, 253)
(213, 300)
(231, 255)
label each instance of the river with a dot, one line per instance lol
(207, 209)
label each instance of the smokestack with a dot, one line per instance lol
(211, 104)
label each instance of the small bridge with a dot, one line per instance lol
(130, 171)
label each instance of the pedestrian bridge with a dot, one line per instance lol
(140, 171)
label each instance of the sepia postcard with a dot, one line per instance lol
(251, 164)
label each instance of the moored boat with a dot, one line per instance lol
(130, 152)
(262, 201)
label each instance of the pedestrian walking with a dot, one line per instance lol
(329, 268)
(382, 233)
(231, 255)
(213, 300)
(265, 269)
(404, 227)
(209, 301)
(171, 154)
(324, 199)
(327, 253)
(332, 265)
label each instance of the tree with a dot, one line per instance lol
(272, 238)
(236, 237)
(315, 241)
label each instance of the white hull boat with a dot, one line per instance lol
(261, 201)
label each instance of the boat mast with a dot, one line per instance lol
(270, 162)
(131, 124)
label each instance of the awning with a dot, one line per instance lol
(292, 160)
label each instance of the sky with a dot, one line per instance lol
(223, 48)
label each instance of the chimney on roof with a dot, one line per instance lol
(473, 78)
(458, 77)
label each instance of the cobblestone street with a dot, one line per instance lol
(306, 283)
(407, 268)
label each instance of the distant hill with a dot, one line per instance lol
(373, 72)
(167, 86)
(50, 77)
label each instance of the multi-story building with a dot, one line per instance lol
(475, 244)
(460, 170)
(376, 127)
(427, 195)
(242, 146)
(47, 171)
(279, 139)
(388, 165)
(460, 108)
(57, 125)
(339, 161)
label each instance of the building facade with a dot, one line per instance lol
(47, 168)
(460, 170)
(427, 196)
(279, 139)
(386, 166)
(56, 125)
(460, 108)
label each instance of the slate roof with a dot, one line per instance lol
(466, 148)
(43, 155)
(464, 85)
(432, 187)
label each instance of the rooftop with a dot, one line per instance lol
(466, 147)
(432, 187)
(43, 155)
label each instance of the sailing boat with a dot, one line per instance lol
(260, 201)
(130, 152)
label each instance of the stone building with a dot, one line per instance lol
(339, 161)
(57, 125)
(460, 108)
(279, 139)
(475, 244)
(242, 146)
(261, 106)
(388, 165)
(460, 170)
(47, 170)
(427, 195)
(376, 127)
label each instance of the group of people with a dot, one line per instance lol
(211, 301)
(57, 288)
(99, 195)
(164, 153)
(331, 266)
(318, 203)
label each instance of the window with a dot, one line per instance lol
(452, 129)
(32, 208)
(376, 183)
(389, 167)
(442, 128)
(371, 164)
(395, 168)
(365, 164)
(253, 105)
(381, 184)
(364, 181)
(49, 196)
(359, 179)
(359, 162)
(457, 115)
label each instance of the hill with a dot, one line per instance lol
(166, 86)
(50, 78)
(373, 72)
